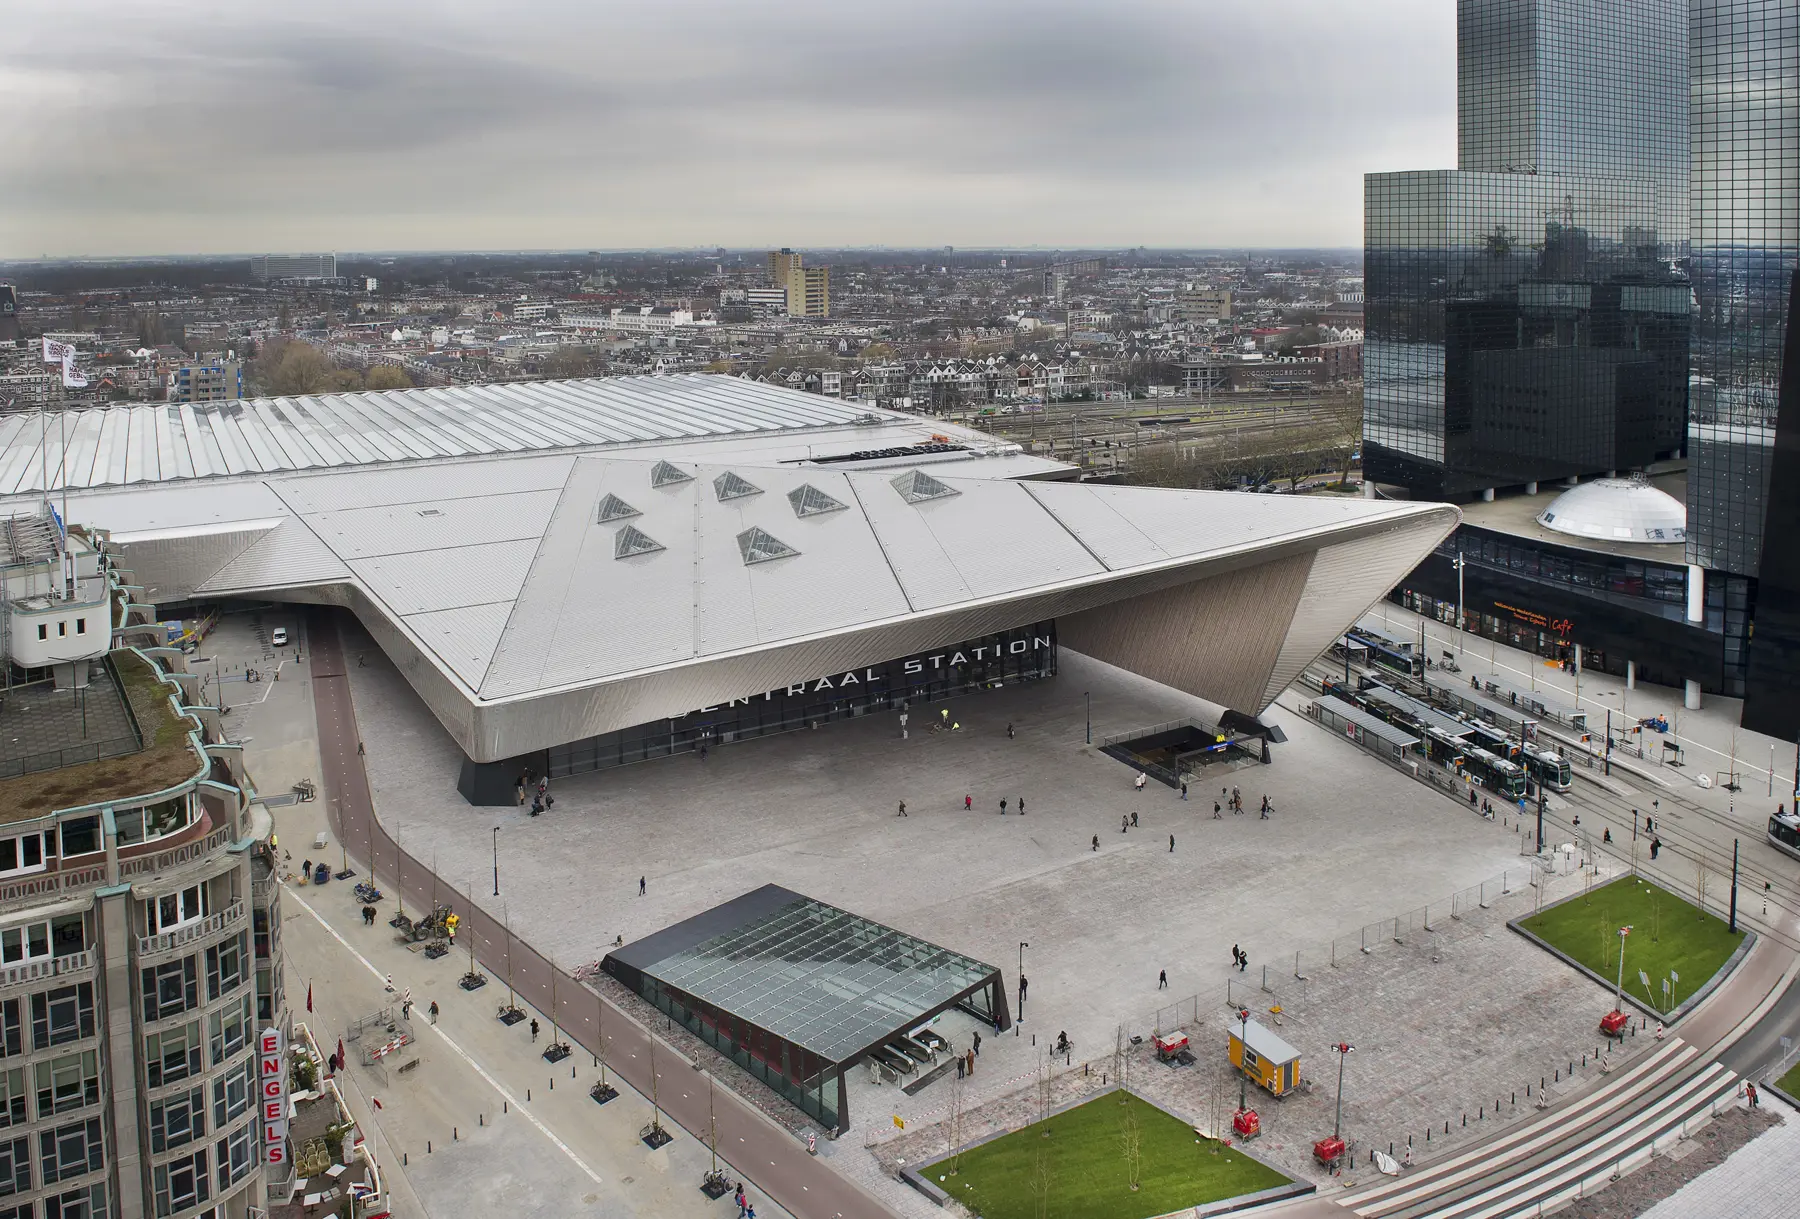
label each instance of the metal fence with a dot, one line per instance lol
(75, 755)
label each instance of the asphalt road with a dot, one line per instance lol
(756, 1148)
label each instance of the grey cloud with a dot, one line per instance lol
(206, 126)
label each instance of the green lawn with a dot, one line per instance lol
(1087, 1170)
(1667, 933)
(1790, 1083)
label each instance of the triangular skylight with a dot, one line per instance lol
(662, 474)
(868, 419)
(631, 541)
(916, 486)
(808, 500)
(612, 508)
(730, 486)
(759, 547)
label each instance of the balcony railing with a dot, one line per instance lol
(48, 884)
(181, 937)
(48, 967)
(162, 861)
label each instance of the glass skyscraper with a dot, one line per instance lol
(1742, 498)
(1525, 319)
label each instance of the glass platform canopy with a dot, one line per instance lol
(798, 991)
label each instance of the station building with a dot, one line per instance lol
(576, 575)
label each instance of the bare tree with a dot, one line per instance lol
(1131, 1141)
(1343, 412)
(388, 376)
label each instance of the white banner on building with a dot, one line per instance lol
(271, 1052)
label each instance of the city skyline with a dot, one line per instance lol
(1153, 123)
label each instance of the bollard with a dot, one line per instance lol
(1515, 1095)
(1446, 1127)
(571, 1072)
(1559, 1075)
(553, 1083)
(1583, 1060)
(403, 1159)
(1390, 1151)
(427, 1146)
(503, 1106)
(1428, 1136)
(481, 1119)
(1465, 1121)
(454, 1134)
(528, 1094)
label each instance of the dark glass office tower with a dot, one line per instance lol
(1742, 519)
(1525, 321)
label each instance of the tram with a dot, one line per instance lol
(1549, 768)
(1494, 740)
(1499, 776)
(1385, 651)
(1784, 833)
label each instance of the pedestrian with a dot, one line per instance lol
(976, 1046)
(640, 886)
(1605, 834)
(741, 1203)
(1171, 844)
(902, 811)
(359, 749)
(368, 916)
(1139, 781)
(1184, 789)
(1162, 979)
(1124, 824)
(537, 806)
(703, 752)
(962, 1068)
(1009, 730)
(1023, 983)
(1096, 842)
(945, 714)
(968, 803)
(1003, 806)
(1021, 803)
(969, 1062)
(1655, 847)
(1237, 800)
(1216, 816)
(433, 1009)
(1750, 1094)
(1134, 819)
(534, 1028)
(1659, 1030)
(1234, 954)
(360, 662)
(1243, 961)
(1266, 809)
(1577, 820)
(521, 795)
(306, 869)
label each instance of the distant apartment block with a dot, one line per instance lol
(9, 313)
(222, 381)
(808, 288)
(293, 266)
(1204, 305)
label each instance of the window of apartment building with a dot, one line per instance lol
(227, 966)
(81, 626)
(232, 1092)
(62, 1015)
(24, 1210)
(181, 1183)
(69, 1151)
(171, 988)
(172, 1056)
(177, 1120)
(62, 629)
(81, 836)
(36, 941)
(10, 1024)
(173, 910)
(23, 853)
(159, 820)
(233, 1157)
(230, 1030)
(43, 630)
(12, 1097)
(15, 1166)
(68, 1083)
(88, 1202)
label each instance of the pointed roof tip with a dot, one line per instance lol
(916, 487)
(612, 508)
(631, 541)
(662, 474)
(808, 500)
(760, 546)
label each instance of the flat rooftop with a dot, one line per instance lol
(1517, 515)
(824, 979)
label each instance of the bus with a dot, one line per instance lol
(1549, 768)
(1499, 776)
(1784, 833)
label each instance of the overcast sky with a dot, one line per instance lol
(207, 126)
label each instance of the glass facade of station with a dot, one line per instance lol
(1022, 654)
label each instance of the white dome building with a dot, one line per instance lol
(1617, 510)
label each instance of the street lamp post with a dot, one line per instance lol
(1088, 705)
(1460, 627)
(496, 861)
(1244, 1045)
(1020, 1018)
(1619, 986)
(1343, 1049)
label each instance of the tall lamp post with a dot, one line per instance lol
(1088, 705)
(496, 861)
(1020, 1018)
(1460, 627)
(1343, 1049)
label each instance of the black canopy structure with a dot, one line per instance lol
(798, 991)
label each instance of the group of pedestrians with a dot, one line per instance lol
(969, 805)
(541, 798)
